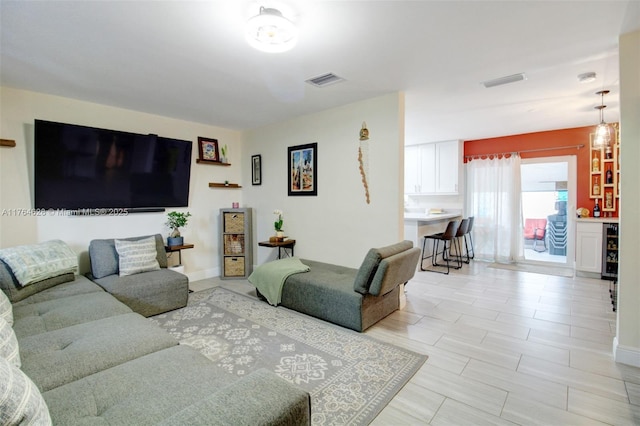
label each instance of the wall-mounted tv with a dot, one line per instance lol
(80, 167)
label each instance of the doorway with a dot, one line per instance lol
(548, 196)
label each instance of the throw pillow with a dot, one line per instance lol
(6, 310)
(137, 256)
(36, 262)
(20, 400)
(9, 344)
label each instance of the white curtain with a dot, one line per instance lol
(494, 200)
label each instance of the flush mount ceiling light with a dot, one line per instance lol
(271, 32)
(603, 131)
(504, 80)
(587, 77)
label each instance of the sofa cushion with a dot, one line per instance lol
(371, 261)
(6, 311)
(150, 293)
(58, 357)
(15, 292)
(36, 318)
(137, 256)
(36, 262)
(394, 270)
(104, 257)
(9, 344)
(20, 400)
(79, 285)
(143, 391)
(325, 292)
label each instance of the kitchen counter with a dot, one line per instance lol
(598, 219)
(417, 225)
(423, 217)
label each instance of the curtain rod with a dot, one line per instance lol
(525, 150)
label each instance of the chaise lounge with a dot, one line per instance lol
(352, 298)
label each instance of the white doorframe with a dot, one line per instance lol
(571, 161)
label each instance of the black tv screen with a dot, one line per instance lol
(80, 167)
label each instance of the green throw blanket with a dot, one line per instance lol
(270, 277)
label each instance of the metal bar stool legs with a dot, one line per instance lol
(463, 229)
(470, 252)
(448, 240)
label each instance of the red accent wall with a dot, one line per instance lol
(541, 140)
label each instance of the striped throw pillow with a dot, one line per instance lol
(9, 344)
(20, 400)
(137, 256)
(6, 310)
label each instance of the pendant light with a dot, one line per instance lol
(603, 131)
(269, 31)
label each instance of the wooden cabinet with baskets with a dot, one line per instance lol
(236, 258)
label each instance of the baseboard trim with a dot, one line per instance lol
(625, 354)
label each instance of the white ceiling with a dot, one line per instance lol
(189, 60)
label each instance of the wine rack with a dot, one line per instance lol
(604, 183)
(610, 255)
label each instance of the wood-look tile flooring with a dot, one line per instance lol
(505, 348)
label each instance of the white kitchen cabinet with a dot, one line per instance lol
(432, 168)
(589, 247)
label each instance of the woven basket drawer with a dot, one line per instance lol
(234, 244)
(234, 266)
(234, 222)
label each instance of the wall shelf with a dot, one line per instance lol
(223, 185)
(214, 163)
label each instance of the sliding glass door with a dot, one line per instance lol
(548, 188)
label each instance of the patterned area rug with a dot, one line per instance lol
(350, 376)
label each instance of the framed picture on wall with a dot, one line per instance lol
(208, 149)
(256, 170)
(302, 162)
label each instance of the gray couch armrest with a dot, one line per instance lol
(394, 270)
(261, 398)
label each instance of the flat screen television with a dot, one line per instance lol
(80, 167)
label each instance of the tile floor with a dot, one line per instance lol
(505, 347)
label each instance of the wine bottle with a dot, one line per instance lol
(596, 209)
(595, 164)
(596, 187)
(609, 176)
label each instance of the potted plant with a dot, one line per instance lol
(278, 224)
(175, 221)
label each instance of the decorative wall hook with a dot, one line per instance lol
(364, 132)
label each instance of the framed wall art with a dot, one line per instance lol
(208, 149)
(302, 161)
(256, 169)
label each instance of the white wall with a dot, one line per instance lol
(337, 225)
(19, 109)
(627, 342)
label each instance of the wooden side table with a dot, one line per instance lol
(282, 246)
(172, 249)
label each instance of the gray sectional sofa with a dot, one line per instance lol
(95, 361)
(352, 298)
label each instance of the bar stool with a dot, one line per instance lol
(448, 237)
(469, 245)
(463, 230)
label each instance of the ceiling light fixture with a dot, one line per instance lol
(504, 80)
(603, 131)
(271, 32)
(587, 77)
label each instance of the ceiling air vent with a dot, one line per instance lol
(325, 80)
(504, 80)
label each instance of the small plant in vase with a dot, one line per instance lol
(175, 221)
(278, 224)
